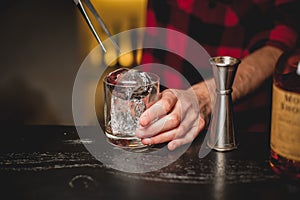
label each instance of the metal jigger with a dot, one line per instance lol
(222, 127)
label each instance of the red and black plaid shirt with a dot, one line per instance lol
(226, 27)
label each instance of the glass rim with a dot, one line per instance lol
(151, 74)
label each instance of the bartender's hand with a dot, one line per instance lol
(177, 117)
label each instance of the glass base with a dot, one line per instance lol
(125, 142)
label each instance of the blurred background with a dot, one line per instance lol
(43, 44)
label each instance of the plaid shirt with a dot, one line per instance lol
(226, 27)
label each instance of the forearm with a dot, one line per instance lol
(254, 70)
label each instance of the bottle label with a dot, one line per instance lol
(285, 128)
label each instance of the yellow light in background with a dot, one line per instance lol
(109, 57)
(126, 59)
(122, 15)
(96, 58)
(139, 54)
(118, 15)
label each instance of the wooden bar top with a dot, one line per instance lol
(51, 162)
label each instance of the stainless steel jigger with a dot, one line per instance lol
(222, 131)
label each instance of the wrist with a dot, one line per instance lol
(205, 93)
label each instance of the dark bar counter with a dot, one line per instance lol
(50, 162)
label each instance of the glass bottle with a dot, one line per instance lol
(285, 123)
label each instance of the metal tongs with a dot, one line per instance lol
(99, 19)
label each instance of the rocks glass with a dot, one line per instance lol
(128, 93)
